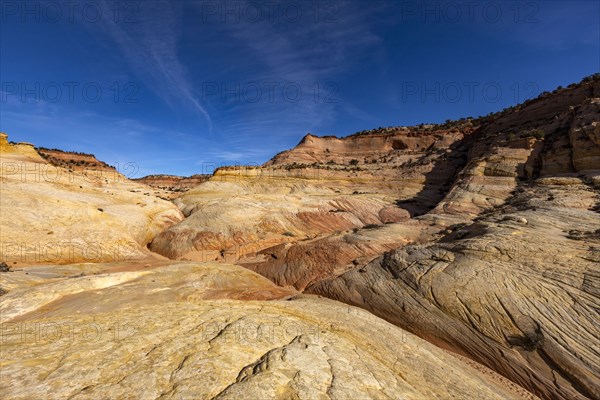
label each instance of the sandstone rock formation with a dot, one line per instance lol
(209, 332)
(510, 290)
(172, 182)
(51, 214)
(480, 236)
(74, 161)
(172, 186)
(491, 250)
(241, 211)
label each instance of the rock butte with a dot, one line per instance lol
(74, 162)
(174, 183)
(480, 236)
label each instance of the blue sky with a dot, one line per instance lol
(183, 86)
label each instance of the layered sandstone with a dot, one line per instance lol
(74, 161)
(171, 186)
(387, 145)
(50, 214)
(181, 330)
(516, 290)
(480, 236)
(172, 182)
(241, 211)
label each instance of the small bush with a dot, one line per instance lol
(538, 133)
(4, 267)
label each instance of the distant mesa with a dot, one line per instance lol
(74, 161)
(173, 183)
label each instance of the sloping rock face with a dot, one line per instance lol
(241, 211)
(51, 214)
(184, 330)
(516, 290)
(510, 278)
(74, 161)
(553, 134)
(491, 250)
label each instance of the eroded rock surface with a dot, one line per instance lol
(74, 161)
(209, 331)
(492, 250)
(50, 214)
(241, 211)
(481, 236)
(510, 290)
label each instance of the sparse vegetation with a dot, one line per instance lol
(371, 226)
(4, 267)
(575, 234)
(537, 133)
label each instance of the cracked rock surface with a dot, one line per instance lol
(208, 331)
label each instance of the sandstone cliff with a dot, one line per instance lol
(74, 161)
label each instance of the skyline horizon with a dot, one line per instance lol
(175, 85)
(214, 166)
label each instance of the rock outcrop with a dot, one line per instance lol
(172, 186)
(209, 332)
(241, 211)
(50, 214)
(514, 290)
(480, 235)
(74, 161)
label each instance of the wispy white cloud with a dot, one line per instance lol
(232, 156)
(310, 52)
(124, 141)
(150, 47)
